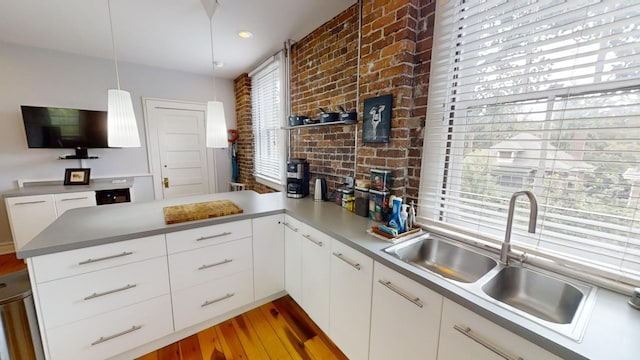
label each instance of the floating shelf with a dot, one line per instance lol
(73, 157)
(317, 124)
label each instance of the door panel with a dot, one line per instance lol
(183, 154)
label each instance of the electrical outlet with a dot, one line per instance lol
(348, 181)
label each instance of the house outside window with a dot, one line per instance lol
(539, 96)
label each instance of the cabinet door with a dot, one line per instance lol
(405, 317)
(68, 201)
(466, 335)
(80, 297)
(207, 236)
(268, 255)
(28, 216)
(293, 258)
(205, 301)
(316, 276)
(111, 333)
(350, 304)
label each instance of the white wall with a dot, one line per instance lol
(30, 76)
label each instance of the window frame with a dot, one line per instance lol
(278, 60)
(442, 100)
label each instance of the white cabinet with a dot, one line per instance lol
(350, 303)
(96, 302)
(466, 335)
(293, 258)
(211, 271)
(29, 215)
(268, 255)
(307, 267)
(202, 302)
(112, 333)
(405, 317)
(316, 276)
(68, 201)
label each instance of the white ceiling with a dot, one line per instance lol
(172, 34)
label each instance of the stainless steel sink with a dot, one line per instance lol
(443, 257)
(536, 294)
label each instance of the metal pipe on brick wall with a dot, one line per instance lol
(355, 144)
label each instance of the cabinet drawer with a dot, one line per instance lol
(209, 263)
(206, 236)
(67, 201)
(81, 261)
(465, 334)
(80, 297)
(28, 216)
(112, 333)
(205, 301)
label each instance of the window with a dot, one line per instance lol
(267, 108)
(545, 96)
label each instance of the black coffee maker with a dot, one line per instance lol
(297, 178)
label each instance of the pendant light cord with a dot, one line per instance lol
(213, 61)
(113, 43)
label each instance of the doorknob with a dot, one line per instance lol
(166, 183)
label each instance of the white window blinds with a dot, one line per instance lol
(266, 113)
(545, 96)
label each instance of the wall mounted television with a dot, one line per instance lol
(62, 128)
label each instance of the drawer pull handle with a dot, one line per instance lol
(213, 236)
(308, 237)
(209, 302)
(404, 294)
(73, 199)
(96, 295)
(30, 202)
(225, 261)
(110, 337)
(89, 261)
(466, 331)
(343, 258)
(291, 227)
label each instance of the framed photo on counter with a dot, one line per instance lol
(76, 176)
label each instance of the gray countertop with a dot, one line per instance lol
(610, 334)
(59, 188)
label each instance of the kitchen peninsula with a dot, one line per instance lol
(158, 252)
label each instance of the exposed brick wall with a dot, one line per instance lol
(324, 75)
(395, 58)
(242, 89)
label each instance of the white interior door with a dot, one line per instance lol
(177, 149)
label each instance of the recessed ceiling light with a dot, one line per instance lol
(218, 64)
(245, 34)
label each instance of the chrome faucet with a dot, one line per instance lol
(533, 216)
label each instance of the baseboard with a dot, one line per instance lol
(7, 248)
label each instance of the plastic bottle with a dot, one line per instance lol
(403, 217)
(412, 215)
(395, 221)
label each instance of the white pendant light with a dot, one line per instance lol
(122, 127)
(216, 126)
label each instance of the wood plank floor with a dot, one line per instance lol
(9, 263)
(277, 330)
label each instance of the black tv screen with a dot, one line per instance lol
(48, 127)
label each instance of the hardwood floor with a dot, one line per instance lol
(277, 330)
(9, 263)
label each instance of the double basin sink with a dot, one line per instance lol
(555, 302)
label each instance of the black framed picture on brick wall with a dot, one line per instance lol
(376, 126)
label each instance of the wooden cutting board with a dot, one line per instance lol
(199, 211)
